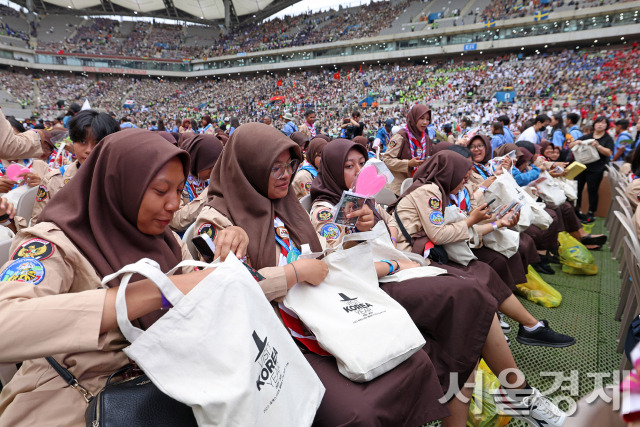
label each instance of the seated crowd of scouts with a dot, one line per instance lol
(112, 197)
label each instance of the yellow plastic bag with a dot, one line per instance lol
(538, 291)
(575, 257)
(483, 411)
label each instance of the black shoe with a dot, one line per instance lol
(552, 257)
(591, 240)
(543, 268)
(585, 219)
(544, 336)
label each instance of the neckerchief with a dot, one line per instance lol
(312, 129)
(194, 186)
(462, 200)
(632, 177)
(206, 128)
(307, 167)
(418, 148)
(484, 172)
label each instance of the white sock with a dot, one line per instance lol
(534, 327)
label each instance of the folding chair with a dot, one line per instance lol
(405, 184)
(306, 203)
(186, 238)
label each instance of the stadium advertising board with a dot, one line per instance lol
(113, 70)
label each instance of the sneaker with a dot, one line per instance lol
(506, 328)
(585, 219)
(544, 336)
(530, 406)
(594, 240)
(508, 340)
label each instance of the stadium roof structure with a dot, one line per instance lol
(191, 10)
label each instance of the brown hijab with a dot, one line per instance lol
(301, 139)
(487, 147)
(417, 111)
(362, 140)
(98, 209)
(168, 136)
(329, 184)
(204, 150)
(543, 146)
(505, 149)
(445, 169)
(239, 190)
(316, 146)
(324, 136)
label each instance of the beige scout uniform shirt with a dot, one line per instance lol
(187, 214)
(305, 129)
(302, 183)
(50, 185)
(210, 221)
(60, 316)
(625, 169)
(398, 167)
(422, 210)
(22, 146)
(322, 221)
(633, 193)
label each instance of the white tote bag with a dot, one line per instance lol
(505, 189)
(222, 350)
(367, 331)
(459, 252)
(585, 153)
(549, 190)
(382, 248)
(570, 188)
(503, 240)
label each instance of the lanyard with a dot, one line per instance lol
(287, 250)
(306, 166)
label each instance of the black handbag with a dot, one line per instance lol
(132, 402)
(437, 253)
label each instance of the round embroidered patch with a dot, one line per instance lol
(392, 143)
(434, 203)
(307, 186)
(26, 270)
(324, 215)
(35, 248)
(66, 181)
(207, 229)
(330, 231)
(42, 193)
(436, 218)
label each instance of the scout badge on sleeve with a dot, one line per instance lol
(28, 270)
(324, 215)
(34, 248)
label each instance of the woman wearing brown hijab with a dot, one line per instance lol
(442, 175)
(204, 150)
(409, 148)
(301, 139)
(112, 213)
(309, 168)
(260, 201)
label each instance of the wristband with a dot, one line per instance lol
(391, 269)
(482, 188)
(295, 271)
(166, 305)
(394, 240)
(495, 226)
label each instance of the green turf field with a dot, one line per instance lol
(588, 306)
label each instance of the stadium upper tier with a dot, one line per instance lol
(74, 35)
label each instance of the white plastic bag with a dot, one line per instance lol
(459, 252)
(585, 153)
(549, 190)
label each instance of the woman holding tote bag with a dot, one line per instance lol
(112, 214)
(439, 305)
(444, 174)
(261, 201)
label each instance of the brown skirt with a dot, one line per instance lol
(546, 239)
(527, 251)
(405, 396)
(454, 314)
(510, 269)
(566, 214)
(485, 276)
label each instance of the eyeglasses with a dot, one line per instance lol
(476, 147)
(278, 169)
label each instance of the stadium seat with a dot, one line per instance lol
(306, 203)
(405, 184)
(24, 207)
(385, 197)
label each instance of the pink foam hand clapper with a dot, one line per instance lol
(368, 182)
(15, 170)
